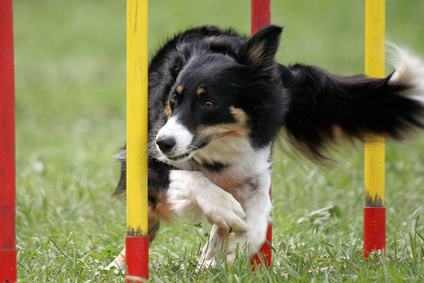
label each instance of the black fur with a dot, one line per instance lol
(356, 105)
(249, 78)
(314, 107)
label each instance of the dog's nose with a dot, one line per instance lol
(166, 144)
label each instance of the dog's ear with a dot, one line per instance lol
(260, 49)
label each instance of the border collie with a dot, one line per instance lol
(217, 103)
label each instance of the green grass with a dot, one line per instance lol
(70, 96)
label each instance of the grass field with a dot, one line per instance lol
(70, 107)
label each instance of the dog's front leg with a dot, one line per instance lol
(257, 206)
(215, 247)
(190, 190)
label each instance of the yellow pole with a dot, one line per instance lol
(137, 117)
(374, 67)
(137, 90)
(374, 212)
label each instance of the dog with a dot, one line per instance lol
(218, 101)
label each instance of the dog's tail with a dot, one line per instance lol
(324, 107)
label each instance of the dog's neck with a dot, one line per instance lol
(228, 162)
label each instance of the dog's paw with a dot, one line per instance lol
(204, 264)
(224, 210)
(117, 267)
(118, 264)
(190, 190)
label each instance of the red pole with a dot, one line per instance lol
(374, 230)
(261, 16)
(7, 145)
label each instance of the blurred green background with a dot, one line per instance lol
(70, 121)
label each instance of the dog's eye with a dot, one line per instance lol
(208, 104)
(174, 96)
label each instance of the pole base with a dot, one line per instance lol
(137, 259)
(374, 230)
(8, 265)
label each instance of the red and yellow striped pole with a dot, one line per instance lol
(260, 16)
(7, 146)
(374, 211)
(137, 241)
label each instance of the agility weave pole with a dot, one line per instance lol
(137, 226)
(137, 240)
(8, 272)
(260, 16)
(374, 177)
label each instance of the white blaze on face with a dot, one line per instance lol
(173, 129)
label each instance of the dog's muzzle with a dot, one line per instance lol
(174, 140)
(166, 145)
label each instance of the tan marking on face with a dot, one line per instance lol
(224, 130)
(234, 130)
(179, 89)
(200, 91)
(167, 109)
(239, 115)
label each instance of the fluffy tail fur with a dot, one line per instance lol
(324, 107)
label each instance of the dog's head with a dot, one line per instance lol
(223, 87)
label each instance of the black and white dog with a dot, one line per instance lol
(218, 101)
